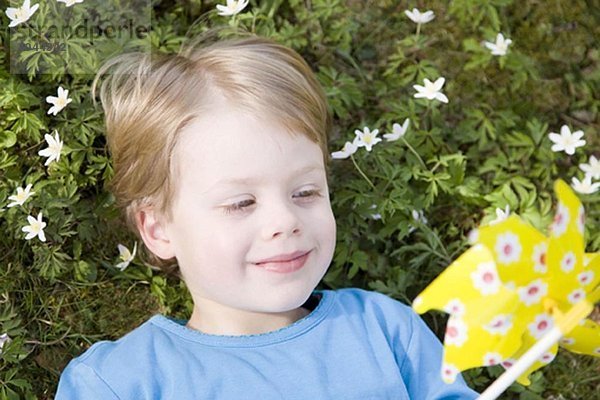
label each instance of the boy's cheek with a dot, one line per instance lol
(327, 229)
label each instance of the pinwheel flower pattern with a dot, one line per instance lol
(512, 286)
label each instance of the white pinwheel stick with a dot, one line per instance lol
(519, 367)
(565, 323)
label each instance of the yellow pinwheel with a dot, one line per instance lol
(512, 287)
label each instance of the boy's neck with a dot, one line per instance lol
(216, 319)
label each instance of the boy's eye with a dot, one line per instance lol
(240, 206)
(308, 193)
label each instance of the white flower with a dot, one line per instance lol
(347, 151)
(21, 14)
(60, 102)
(418, 18)
(581, 219)
(431, 90)
(69, 3)
(585, 277)
(485, 278)
(592, 168)
(566, 141)
(233, 7)
(567, 341)
(576, 296)
(419, 216)
(585, 186)
(568, 262)
(377, 215)
(456, 332)
(35, 228)
(397, 131)
(539, 257)
(473, 236)
(492, 358)
(449, 373)
(533, 293)
(54, 148)
(500, 47)
(499, 325)
(547, 357)
(125, 255)
(509, 362)
(561, 220)
(455, 307)
(21, 197)
(542, 323)
(501, 215)
(366, 138)
(4, 338)
(508, 248)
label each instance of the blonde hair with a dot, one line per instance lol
(149, 99)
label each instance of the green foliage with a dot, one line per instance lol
(485, 149)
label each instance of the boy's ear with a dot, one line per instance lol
(150, 226)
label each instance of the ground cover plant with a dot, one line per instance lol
(442, 120)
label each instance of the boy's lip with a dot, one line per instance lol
(285, 263)
(284, 257)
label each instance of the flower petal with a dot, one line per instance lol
(441, 97)
(439, 83)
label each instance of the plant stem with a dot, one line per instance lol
(362, 173)
(414, 152)
(233, 22)
(427, 118)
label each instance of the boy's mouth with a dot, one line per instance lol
(285, 263)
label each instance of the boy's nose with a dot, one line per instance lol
(281, 221)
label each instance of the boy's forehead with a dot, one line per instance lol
(241, 149)
(245, 154)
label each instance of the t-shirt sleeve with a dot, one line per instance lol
(79, 381)
(422, 364)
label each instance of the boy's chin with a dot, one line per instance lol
(284, 298)
(282, 302)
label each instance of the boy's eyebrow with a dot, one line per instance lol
(240, 181)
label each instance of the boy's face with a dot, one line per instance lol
(281, 190)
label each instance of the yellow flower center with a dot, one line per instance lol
(36, 227)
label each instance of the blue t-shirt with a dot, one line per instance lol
(355, 344)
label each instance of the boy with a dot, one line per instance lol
(220, 158)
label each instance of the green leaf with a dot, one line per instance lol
(85, 272)
(8, 139)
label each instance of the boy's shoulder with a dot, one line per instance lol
(126, 352)
(379, 312)
(101, 368)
